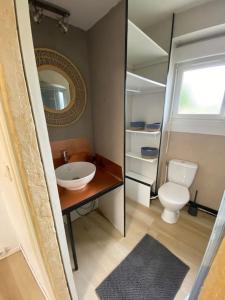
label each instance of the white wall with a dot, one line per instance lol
(161, 34)
(156, 72)
(200, 17)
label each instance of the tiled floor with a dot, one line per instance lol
(100, 248)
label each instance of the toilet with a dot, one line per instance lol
(174, 194)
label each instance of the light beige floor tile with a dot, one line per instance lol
(100, 248)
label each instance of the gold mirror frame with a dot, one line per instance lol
(52, 60)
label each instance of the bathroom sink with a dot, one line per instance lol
(75, 175)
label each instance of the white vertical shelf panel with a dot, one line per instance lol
(138, 192)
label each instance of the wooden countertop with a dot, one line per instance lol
(106, 179)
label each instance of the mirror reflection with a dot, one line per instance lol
(55, 89)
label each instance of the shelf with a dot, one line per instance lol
(143, 132)
(138, 156)
(137, 84)
(142, 50)
(140, 178)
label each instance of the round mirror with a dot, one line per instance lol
(63, 88)
(55, 89)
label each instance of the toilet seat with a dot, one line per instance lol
(174, 193)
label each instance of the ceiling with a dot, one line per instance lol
(147, 12)
(85, 13)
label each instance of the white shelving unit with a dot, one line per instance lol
(144, 102)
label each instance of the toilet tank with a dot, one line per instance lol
(182, 172)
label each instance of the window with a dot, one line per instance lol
(200, 90)
(195, 99)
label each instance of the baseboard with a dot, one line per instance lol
(206, 209)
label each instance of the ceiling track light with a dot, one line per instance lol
(64, 26)
(39, 6)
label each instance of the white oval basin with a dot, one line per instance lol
(75, 175)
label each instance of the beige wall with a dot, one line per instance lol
(73, 45)
(161, 32)
(106, 42)
(208, 151)
(107, 58)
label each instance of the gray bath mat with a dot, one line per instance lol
(149, 272)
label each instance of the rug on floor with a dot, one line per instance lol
(149, 272)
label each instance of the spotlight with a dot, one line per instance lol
(40, 7)
(38, 15)
(64, 26)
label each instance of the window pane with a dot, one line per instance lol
(202, 91)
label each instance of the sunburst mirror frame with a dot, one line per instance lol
(52, 60)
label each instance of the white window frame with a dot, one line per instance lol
(180, 68)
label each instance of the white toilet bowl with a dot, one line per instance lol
(173, 197)
(174, 194)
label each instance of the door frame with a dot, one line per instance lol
(20, 234)
(33, 86)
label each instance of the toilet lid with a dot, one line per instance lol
(174, 193)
